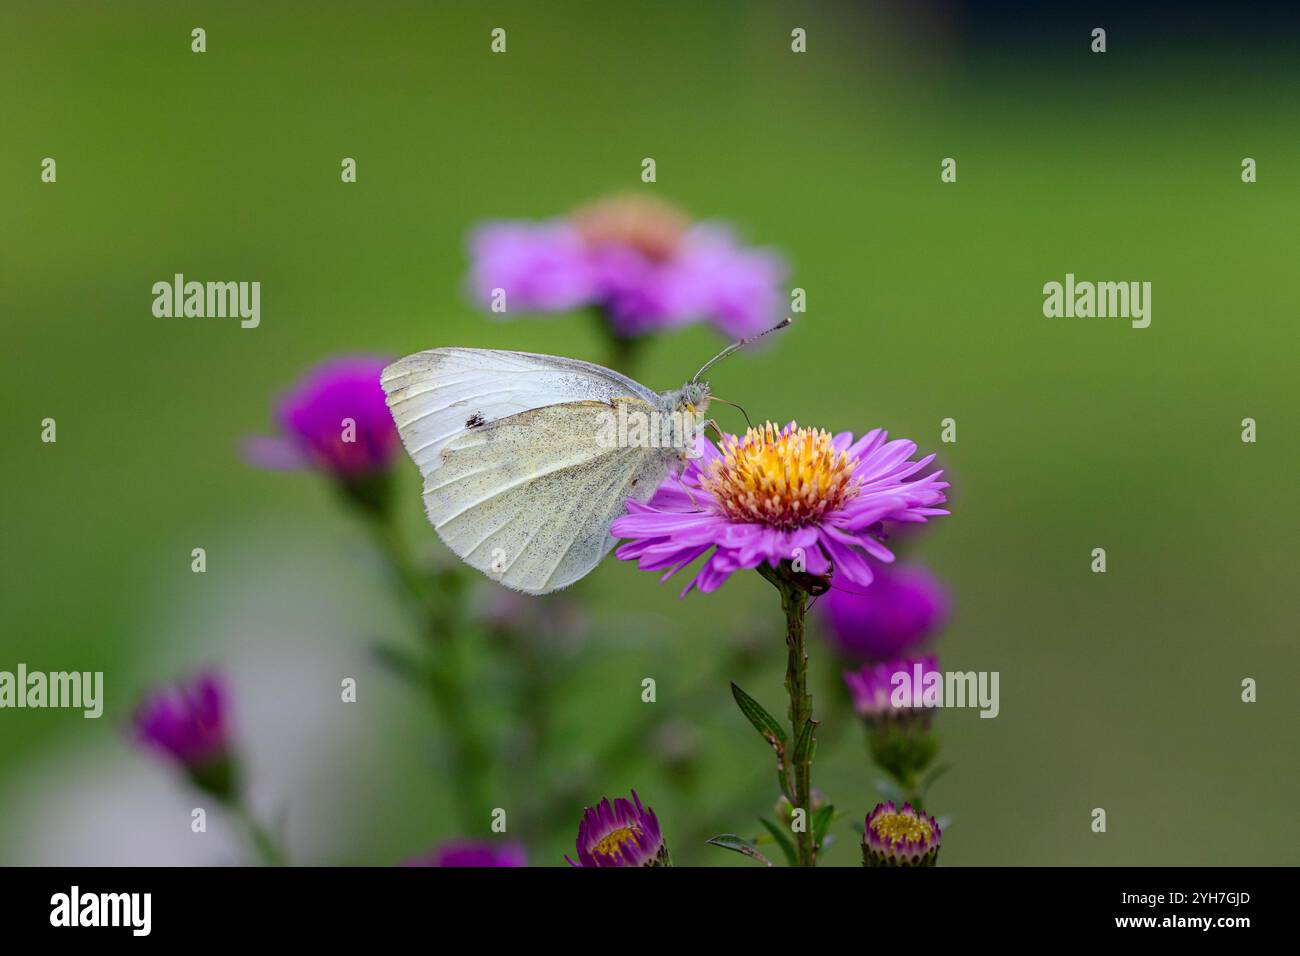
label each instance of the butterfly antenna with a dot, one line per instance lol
(714, 398)
(737, 346)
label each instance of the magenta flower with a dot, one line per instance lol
(902, 608)
(891, 698)
(188, 723)
(336, 421)
(893, 837)
(474, 853)
(890, 689)
(781, 494)
(541, 267)
(639, 261)
(738, 289)
(624, 834)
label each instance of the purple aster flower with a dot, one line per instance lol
(336, 420)
(893, 837)
(622, 834)
(890, 699)
(189, 724)
(473, 853)
(541, 267)
(781, 494)
(737, 289)
(638, 295)
(639, 261)
(890, 690)
(902, 607)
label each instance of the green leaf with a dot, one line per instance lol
(821, 820)
(783, 780)
(781, 840)
(729, 841)
(763, 722)
(806, 746)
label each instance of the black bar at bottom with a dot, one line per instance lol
(334, 905)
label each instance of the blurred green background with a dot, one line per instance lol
(924, 302)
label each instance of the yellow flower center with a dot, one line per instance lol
(898, 827)
(785, 478)
(613, 843)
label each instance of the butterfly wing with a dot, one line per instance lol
(529, 500)
(517, 480)
(437, 395)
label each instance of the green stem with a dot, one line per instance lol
(410, 581)
(470, 756)
(438, 614)
(622, 350)
(264, 845)
(622, 354)
(794, 602)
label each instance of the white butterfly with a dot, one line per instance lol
(522, 477)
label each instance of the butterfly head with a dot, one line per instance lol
(693, 398)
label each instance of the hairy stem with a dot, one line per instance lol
(794, 602)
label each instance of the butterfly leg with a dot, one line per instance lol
(677, 473)
(712, 423)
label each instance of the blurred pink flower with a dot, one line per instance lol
(335, 420)
(640, 261)
(900, 609)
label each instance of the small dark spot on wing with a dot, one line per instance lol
(475, 421)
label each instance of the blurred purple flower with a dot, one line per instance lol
(781, 494)
(189, 724)
(893, 837)
(622, 834)
(335, 420)
(187, 721)
(899, 609)
(541, 267)
(473, 853)
(637, 295)
(640, 261)
(877, 695)
(737, 289)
